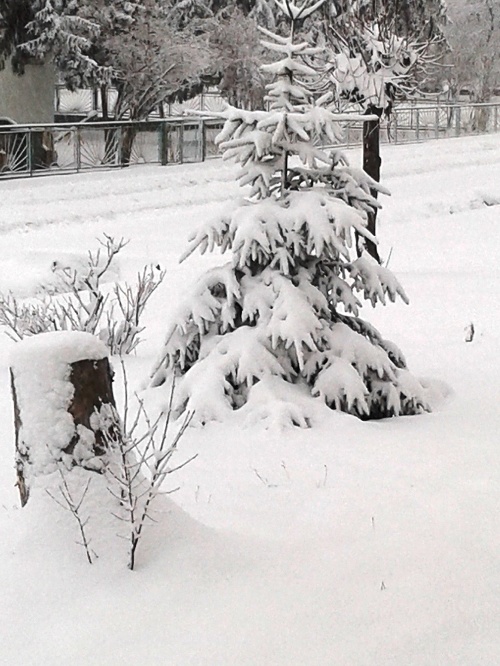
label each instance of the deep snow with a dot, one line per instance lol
(348, 544)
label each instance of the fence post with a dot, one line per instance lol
(417, 124)
(495, 115)
(181, 143)
(29, 151)
(163, 143)
(458, 120)
(201, 139)
(78, 149)
(436, 121)
(119, 146)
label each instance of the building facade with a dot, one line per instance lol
(28, 98)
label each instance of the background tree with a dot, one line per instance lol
(474, 37)
(237, 55)
(279, 322)
(14, 17)
(235, 50)
(153, 65)
(63, 31)
(381, 51)
(128, 44)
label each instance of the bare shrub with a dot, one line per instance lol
(78, 302)
(142, 461)
(69, 503)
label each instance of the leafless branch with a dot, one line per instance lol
(69, 503)
(142, 464)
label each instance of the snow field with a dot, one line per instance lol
(347, 544)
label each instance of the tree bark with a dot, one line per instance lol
(128, 136)
(21, 457)
(371, 165)
(104, 102)
(92, 381)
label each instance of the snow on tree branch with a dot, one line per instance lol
(276, 331)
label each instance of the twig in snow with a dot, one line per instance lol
(73, 506)
(263, 479)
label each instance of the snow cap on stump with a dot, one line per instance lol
(59, 380)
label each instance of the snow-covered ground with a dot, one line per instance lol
(347, 544)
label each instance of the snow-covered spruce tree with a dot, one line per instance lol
(58, 31)
(279, 325)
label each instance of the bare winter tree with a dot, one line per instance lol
(381, 51)
(134, 46)
(152, 63)
(238, 54)
(474, 37)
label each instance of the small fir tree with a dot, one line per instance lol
(279, 325)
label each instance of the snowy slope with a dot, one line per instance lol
(348, 544)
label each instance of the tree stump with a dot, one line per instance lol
(64, 408)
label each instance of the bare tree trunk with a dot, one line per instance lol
(104, 102)
(128, 135)
(371, 165)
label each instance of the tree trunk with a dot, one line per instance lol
(128, 135)
(91, 381)
(104, 102)
(371, 165)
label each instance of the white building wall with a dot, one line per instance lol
(28, 98)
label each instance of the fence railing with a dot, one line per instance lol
(410, 124)
(30, 150)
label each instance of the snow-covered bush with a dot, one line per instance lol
(284, 312)
(75, 300)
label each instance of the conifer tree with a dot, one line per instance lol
(61, 30)
(14, 16)
(279, 324)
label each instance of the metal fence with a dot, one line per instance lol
(30, 150)
(415, 123)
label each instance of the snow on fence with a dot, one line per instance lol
(29, 150)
